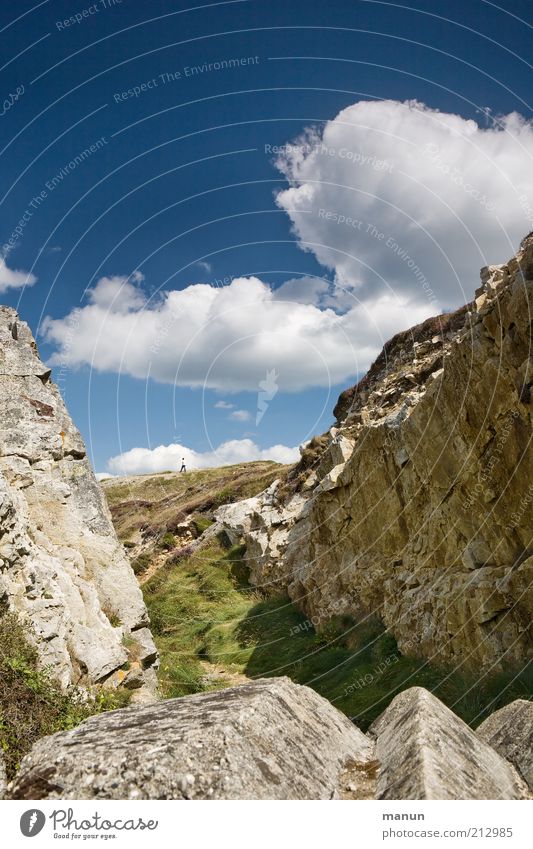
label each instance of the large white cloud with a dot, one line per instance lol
(11, 279)
(140, 461)
(400, 195)
(226, 338)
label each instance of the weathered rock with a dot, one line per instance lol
(426, 752)
(510, 732)
(62, 568)
(418, 508)
(270, 739)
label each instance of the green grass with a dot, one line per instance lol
(32, 704)
(203, 609)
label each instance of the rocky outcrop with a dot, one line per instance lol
(426, 752)
(510, 731)
(417, 504)
(268, 739)
(264, 740)
(62, 569)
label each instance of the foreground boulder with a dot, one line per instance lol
(62, 568)
(270, 739)
(3, 780)
(426, 752)
(510, 732)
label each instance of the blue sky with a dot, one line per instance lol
(144, 148)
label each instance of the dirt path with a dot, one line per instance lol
(215, 673)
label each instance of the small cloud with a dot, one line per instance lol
(11, 279)
(223, 405)
(103, 476)
(140, 461)
(55, 249)
(240, 416)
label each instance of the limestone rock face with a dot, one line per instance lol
(270, 739)
(62, 568)
(418, 504)
(510, 731)
(426, 752)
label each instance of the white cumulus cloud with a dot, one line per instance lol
(11, 279)
(399, 195)
(138, 461)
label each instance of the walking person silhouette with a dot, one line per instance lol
(183, 466)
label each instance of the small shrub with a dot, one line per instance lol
(225, 496)
(128, 543)
(335, 631)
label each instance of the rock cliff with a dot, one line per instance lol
(269, 739)
(417, 504)
(62, 569)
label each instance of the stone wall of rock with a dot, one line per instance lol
(62, 569)
(418, 507)
(510, 731)
(269, 739)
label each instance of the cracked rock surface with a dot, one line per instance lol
(62, 568)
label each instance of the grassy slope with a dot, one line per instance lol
(212, 628)
(149, 506)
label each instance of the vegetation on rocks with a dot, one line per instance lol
(32, 704)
